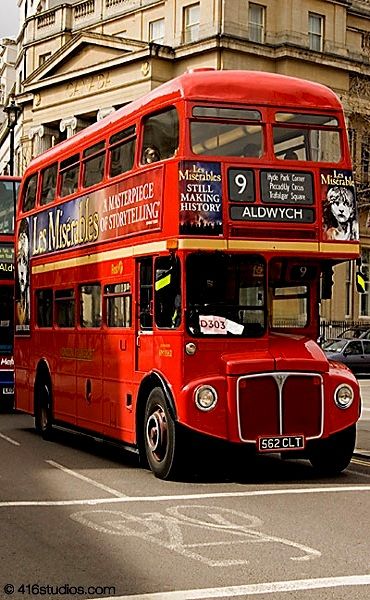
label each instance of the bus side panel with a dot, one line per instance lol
(23, 387)
(118, 392)
(64, 377)
(89, 388)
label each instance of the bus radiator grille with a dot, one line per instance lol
(279, 403)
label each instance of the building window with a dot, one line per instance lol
(156, 31)
(256, 23)
(348, 298)
(191, 23)
(364, 298)
(43, 58)
(315, 32)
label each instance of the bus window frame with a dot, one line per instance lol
(145, 117)
(41, 183)
(68, 164)
(125, 294)
(24, 209)
(85, 158)
(111, 146)
(308, 127)
(63, 298)
(263, 123)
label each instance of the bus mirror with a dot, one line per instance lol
(360, 282)
(327, 282)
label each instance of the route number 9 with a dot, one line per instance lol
(241, 185)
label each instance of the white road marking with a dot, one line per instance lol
(8, 439)
(169, 530)
(96, 484)
(126, 499)
(272, 587)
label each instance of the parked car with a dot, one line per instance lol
(358, 332)
(354, 353)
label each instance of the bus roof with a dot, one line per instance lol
(207, 84)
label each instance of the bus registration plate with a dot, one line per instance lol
(279, 443)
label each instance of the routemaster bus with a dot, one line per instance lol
(170, 264)
(8, 194)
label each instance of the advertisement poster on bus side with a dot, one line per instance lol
(22, 279)
(339, 206)
(200, 188)
(125, 208)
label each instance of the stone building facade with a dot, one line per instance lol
(77, 60)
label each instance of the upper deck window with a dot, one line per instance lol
(238, 114)
(306, 119)
(226, 132)
(30, 189)
(161, 136)
(48, 186)
(69, 172)
(8, 196)
(122, 151)
(93, 160)
(308, 137)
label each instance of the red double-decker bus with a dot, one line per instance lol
(8, 194)
(171, 260)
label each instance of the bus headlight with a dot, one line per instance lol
(205, 397)
(343, 396)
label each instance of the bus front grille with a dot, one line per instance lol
(280, 403)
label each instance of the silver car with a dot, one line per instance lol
(355, 353)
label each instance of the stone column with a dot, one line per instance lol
(42, 138)
(72, 125)
(104, 112)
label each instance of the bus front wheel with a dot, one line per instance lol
(332, 455)
(43, 410)
(160, 436)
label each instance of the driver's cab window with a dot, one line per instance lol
(167, 296)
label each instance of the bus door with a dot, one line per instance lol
(144, 315)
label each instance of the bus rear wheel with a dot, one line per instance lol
(43, 410)
(160, 439)
(331, 456)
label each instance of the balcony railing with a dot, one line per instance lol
(83, 9)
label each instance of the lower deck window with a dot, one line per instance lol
(65, 308)
(118, 304)
(90, 305)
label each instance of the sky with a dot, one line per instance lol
(9, 18)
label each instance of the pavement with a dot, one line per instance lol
(363, 439)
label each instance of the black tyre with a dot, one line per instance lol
(43, 410)
(160, 436)
(331, 456)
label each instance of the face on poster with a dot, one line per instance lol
(339, 207)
